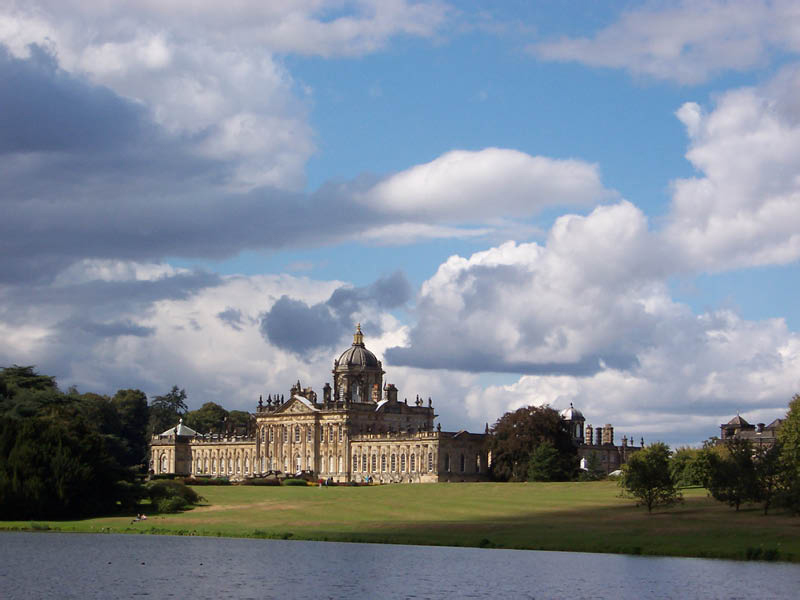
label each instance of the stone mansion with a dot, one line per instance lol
(358, 430)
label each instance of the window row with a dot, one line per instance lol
(328, 434)
(402, 464)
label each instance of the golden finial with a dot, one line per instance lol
(358, 337)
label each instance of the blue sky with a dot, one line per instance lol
(522, 203)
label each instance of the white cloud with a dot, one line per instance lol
(463, 186)
(589, 318)
(590, 293)
(744, 208)
(208, 70)
(686, 41)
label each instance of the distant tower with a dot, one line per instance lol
(573, 420)
(357, 372)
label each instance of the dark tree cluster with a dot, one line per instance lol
(70, 455)
(737, 472)
(532, 444)
(67, 455)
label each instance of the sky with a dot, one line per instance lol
(521, 202)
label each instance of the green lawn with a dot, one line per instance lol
(588, 517)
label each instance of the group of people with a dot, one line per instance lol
(142, 517)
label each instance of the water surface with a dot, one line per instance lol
(109, 566)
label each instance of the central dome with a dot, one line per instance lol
(357, 355)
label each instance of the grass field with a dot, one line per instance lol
(587, 517)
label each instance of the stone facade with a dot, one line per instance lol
(596, 445)
(353, 433)
(760, 435)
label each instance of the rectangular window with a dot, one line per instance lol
(309, 429)
(430, 461)
(340, 433)
(285, 433)
(296, 434)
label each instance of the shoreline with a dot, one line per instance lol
(558, 517)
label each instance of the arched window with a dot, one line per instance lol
(221, 465)
(298, 464)
(412, 463)
(364, 462)
(213, 465)
(402, 463)
(271, 434)
(394, 463)
(383, 462)
(263, 463)
(238, 464)
(355, 462)
(246, 464)
(309, 466)
(374, 463)
(447, 463)
(285, 465)
(296, 434)
(341, 464)
(462, 463)
(197, 466)
(163, 463)
(477, 463)
(331, 464)
(205, 465)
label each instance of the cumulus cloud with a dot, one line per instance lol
(106, 181)
(687, 41)
(298, 327)
(587, 318)
(488, 184)
(589, 296)
(743, 209)
(178, 61)
(713, 366)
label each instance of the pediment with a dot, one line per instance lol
(297, 405)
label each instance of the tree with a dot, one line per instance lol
(769, 475)
(732, 476)
(547, 464)
(134, 414)
(789, 440)
(166, 410)
(646, 476)
(685, 469)
(517, 434)
(209, 418)
(60, 454)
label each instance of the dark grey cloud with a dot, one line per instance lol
(295, 326)
(490, 359)
(46, 110)
(88, 174)
(105, 330)
(232, 317)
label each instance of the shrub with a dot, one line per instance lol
(164, 489)
(262, 481)
(295, 482)
(171, 504)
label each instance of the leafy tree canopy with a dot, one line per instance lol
(517, 434)
(646, 477)
(209, 418)
(166, 410)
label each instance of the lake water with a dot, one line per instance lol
(52, 565)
